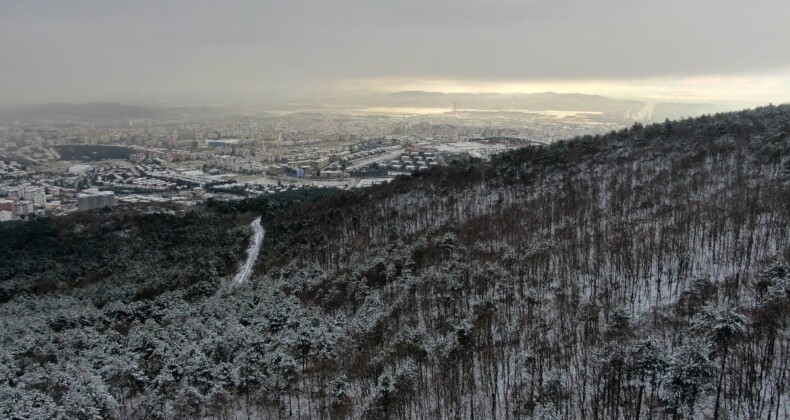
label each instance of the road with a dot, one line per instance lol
(252, 254)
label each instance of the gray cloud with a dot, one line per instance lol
(90, 50)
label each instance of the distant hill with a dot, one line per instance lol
(95, 111)
(415, 95)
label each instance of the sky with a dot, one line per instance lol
(195, 50)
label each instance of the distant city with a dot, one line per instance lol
(54, 164)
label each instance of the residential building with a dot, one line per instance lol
(92, 199)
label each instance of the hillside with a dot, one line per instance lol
(640, 274)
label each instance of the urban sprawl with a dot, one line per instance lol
(55, 167)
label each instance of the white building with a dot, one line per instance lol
(36, 196)
(93, 199)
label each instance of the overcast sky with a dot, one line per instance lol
(153, 50)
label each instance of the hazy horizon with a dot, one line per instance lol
(243, 51)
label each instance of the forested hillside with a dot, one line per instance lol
(640, 274)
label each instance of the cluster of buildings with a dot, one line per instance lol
(21, 202)
(414, 161)
(161, 156)
(187, 178)
(235, 164)
(123, 179)
(12, 170)
(201, 155)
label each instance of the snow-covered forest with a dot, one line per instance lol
(639, 274)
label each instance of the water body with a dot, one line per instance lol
(436, 111)
(245, 271)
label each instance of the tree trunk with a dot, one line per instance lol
(718, 384)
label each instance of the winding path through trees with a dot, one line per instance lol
(252, 253)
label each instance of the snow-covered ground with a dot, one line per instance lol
(252, 253)
(473, 148)
(79, 169)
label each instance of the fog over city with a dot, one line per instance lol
(146, 52)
